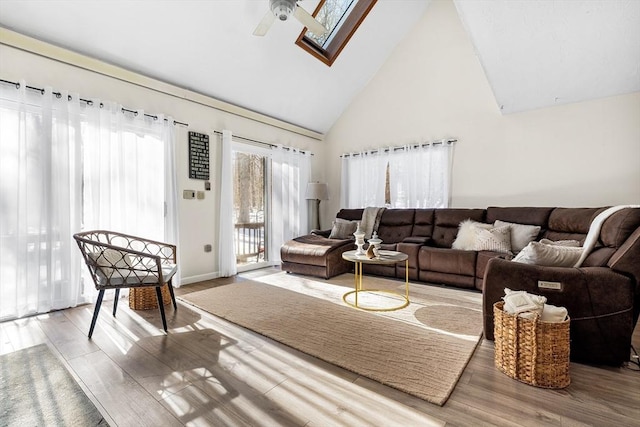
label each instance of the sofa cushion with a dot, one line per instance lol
(570, 223)
(395, 225)
(350, 214)
(520, 215)
(446, 222)
(443, 260)
(423, 223)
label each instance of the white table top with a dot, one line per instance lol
(386, 257)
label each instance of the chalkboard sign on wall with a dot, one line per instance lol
(198, 156)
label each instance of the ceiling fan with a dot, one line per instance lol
(283, 9)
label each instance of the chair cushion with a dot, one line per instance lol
(135, 277)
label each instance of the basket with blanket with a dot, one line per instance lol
(532, 340)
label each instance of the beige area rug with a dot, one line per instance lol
(421, 349)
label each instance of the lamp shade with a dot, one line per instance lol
(317, 191)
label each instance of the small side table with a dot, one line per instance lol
(384, 258)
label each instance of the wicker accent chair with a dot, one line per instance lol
(117, 261)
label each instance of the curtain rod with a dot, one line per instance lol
(402, 147)
(87, 101)
(270, 145)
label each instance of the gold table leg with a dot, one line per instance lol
(359, 288)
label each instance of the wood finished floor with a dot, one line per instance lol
(208, 372)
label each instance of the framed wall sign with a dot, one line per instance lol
(198, 156)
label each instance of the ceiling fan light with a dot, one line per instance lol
(283, 9)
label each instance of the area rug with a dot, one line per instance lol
(421, 349)
(37, 390)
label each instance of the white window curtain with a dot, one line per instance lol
(414, 176)
(291, 171)
(129, 173)
(226, 246)
(67, 166)
(40, 189)
(363, 182)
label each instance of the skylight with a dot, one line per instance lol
(341, 18)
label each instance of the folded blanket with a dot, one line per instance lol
(550, 314)
(529, 306)
(516, 302)
(370, 220)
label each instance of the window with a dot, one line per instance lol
(341, 18)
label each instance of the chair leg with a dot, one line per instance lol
(173, 296)
(161, 305)
(115, 302)
(95, 311)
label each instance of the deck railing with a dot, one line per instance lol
(249, 239)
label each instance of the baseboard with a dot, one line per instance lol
(199, 278)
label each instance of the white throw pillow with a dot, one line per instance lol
(343, 229)
(521, 234)
(549, 255)
(496, 239)
(466, 237)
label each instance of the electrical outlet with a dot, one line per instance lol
(200, 195)
(543, 284)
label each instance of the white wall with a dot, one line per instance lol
(198, 218)
(433, 87)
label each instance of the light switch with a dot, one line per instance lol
(200, 195)
(188, 194)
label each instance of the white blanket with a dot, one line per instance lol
(594, 230)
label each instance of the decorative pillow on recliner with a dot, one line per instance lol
(495, 239)
(343, 229)
(521, 234)
(466, 237)
(549, 255)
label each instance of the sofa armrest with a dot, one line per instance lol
(323, 233)
(586, 292)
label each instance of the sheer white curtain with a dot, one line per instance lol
(290, 173)
(129, 173)
(40, 190)
(363, 178)
(226, 243)
(419, 176)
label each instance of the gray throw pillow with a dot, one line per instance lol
(343, 229)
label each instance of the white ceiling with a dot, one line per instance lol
(535, 53)
(542, 53)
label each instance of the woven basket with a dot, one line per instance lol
(531, 351)
(146, 298)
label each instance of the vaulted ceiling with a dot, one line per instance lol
(534, 53)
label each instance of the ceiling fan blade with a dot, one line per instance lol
(264, 24)
(309, 21)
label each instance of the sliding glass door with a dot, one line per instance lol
(251, 169)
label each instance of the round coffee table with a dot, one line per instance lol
(384, 258)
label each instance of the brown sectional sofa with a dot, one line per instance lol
(602, 296)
